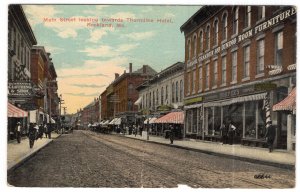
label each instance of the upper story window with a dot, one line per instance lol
(181, 90)
(247, 20)
(193, 75)
(167, 94)
(207, 77)
(235, 24)
(234, 67)
(201, 41)
(156, 96)
(189, 54)
(215, 79)
(162, 96)
(247, 61)
(216, 32)
(195, 45)
(261, 12)
(224, 26)
(207, 37)
(176, 91)
(278, 48)
(130, 88)
(173, 92)
(188, 83)
(153, 98)
(260, 56)
(223, 70)
(200, 79)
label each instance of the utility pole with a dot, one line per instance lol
(60, 102)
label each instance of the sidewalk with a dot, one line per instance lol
(278, 157)
(17, 153)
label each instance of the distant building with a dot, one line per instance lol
(119, 97)
(237, 59)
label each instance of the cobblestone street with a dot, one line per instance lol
(89, 159)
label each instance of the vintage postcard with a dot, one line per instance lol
(151, 96)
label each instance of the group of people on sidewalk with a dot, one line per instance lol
(37, 131)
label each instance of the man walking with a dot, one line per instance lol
(270, 136)
(172, 133)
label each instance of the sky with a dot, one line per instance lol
(90, 43)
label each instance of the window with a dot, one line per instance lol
(195, 46)
(234, 67)
(216, 32)
(235, 21)
(278, 48)
(156, 96)
(224, 70)
(194, 79)
(260, 56)
(215, 80)
(181, 90)
(246, 61)
(208, 37)
(207, 77)
(130, 87)
(173, 92)
(143, 106)
(190, 50)
(176, 92)
(247, 16)
(261, 12)
(224, 27)
(200, 79)
(188, 83)
(153, 98)
(162, 96)
(167, 94)
(201, 41)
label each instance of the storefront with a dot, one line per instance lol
(15, 115)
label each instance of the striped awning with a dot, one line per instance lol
(13, 111)
(151, 120)
(291, 67)
(173, 117)
(287, 104)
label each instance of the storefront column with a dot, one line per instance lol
(244, 120)
(197, 120)
(185, 123)
(289, 133)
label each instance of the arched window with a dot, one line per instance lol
(189, 56)
(167, 94)
(207, 37)
(195, 45)
(224, 26)
(261, 12)
(216, 32)
(162, 96)
(235, 24)
(176, 91)
(247, 16)
(181, 90)
(201, 41)
(173, 93)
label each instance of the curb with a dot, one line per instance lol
(247, 159)
(26, 158)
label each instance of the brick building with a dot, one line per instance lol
(119, 97)
(90, 113)
(237, 59)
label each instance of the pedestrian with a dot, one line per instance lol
(224, 132)
(46, 130)
(18, 132)
(270, 136)
(231, 132)
(172, 134)
(36, 127)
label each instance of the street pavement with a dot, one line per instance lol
(253, 154)
(17, 153)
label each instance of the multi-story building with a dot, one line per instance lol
(52, 99)
(20, 41)
(90, 113)
(119, 97)
(238, 59)
(161, 94)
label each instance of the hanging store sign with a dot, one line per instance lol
(246, 35)
(193, 100)
(265, 86)
(19, 89)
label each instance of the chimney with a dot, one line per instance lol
(144, 69)
(116, 75)
(130, 67)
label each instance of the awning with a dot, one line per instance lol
(173, 117)
(105, 122)
(291, 67)
(52, 120)
(118, 121)
(137, 102)
(235, 100)
(151, 120)
(287, 104)
(13, 111)
(112, 122)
